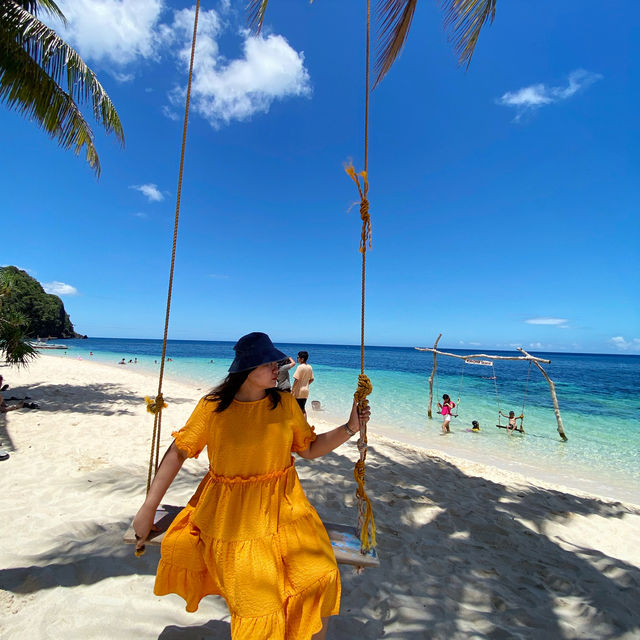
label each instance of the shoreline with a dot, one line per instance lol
(541, 472)
(466, 550)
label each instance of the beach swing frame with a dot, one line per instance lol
(527, 357)
(351, 545)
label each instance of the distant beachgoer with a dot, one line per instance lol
(302, 378)
(249, 534)
(135, 361)
(90, 353)
(445, 409)
(284, 383)
(130, 361)
(512, 420)
(475, 425)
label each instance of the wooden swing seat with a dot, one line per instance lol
(504, 426)
(344, 539)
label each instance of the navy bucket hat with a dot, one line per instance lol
(253, 350)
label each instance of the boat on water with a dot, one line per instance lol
(45, 345)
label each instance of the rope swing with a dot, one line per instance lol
(366, 523)
(156, 405)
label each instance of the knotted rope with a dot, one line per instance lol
(366, 523)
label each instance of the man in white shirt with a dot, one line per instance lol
(302, 378)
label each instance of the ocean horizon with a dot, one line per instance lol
(597, 395)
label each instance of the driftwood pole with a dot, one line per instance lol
(433, 372)
(554, 398)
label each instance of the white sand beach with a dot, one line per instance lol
(467, 550)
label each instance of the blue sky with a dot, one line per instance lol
(504, 199)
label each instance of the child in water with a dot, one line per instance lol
(445, 410)
(512, 420)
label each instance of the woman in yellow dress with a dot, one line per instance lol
(249, 533)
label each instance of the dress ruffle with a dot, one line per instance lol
(219, 545)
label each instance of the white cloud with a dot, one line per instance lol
(625, 345)
(140, 214)
(121, 33)
(59, 288)
(151, 191)
(117, 31)
(556, 322)
(535, 345)
(538, 95)
(222, 91)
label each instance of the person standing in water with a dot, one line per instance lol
(445, 409)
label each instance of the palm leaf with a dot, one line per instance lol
(464, 20)
(61, 62)
(394, 21)
(27, 88)
(256, 10)
(14, 345)
(48, 6)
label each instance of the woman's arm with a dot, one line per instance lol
(171, 463)
(327, 442)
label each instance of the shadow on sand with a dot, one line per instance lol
(441, 562)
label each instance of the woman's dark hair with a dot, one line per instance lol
(226, 391)
(445, 397)
(303, 355)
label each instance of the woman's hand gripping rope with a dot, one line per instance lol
(366, 523)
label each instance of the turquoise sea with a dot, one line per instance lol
(599, 398)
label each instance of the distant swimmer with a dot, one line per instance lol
(475, 425)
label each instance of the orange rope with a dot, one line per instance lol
(156, 406)
(366, 523)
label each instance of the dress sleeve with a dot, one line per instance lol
(192, 438)
(303, 433)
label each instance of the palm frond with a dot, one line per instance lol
(394, 21)
(60, 61)
(255, 14)
(48, 6)
(14, 345)
(27, 88)
(464, 19)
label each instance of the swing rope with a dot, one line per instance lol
(156, 405)
(524, 400)
(460, 389)
(495, 383)
(366, 523)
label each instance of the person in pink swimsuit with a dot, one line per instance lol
(445, 409)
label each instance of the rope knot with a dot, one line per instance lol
(363, 390)
(157, 405)
(365, 236)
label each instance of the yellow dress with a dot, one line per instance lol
(249, 533)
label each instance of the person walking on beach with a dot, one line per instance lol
(512, 417)
(302, 378)
(445, 409)
(284, 383)
(249, 533)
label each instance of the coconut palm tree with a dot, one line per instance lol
(463, 19)
(45, 79)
